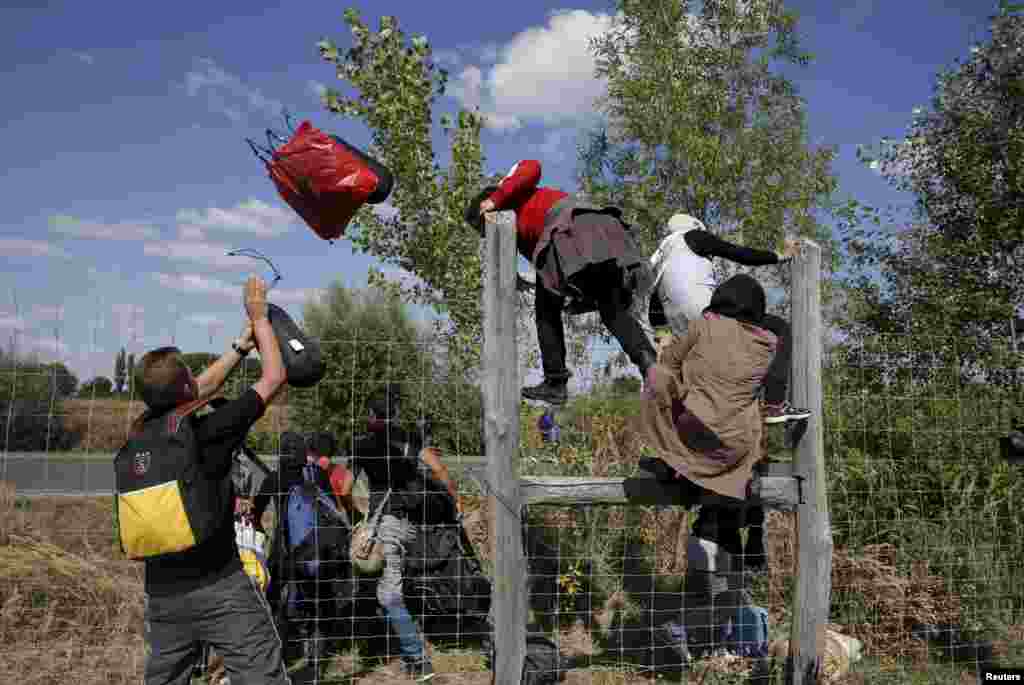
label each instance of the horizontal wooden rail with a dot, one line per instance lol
(773, 487)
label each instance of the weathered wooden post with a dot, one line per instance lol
(501, 436)
(814, 530)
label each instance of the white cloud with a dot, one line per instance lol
(52, 349)
(197, 284)
(84, 57)
(544, 74)
(191, 233)
(251, 216)
(385, 210)
(9, 322)
(79, 228)
(212, 254)
(22, 247)
(227, 94)
(129, 321)
(48, 312)
(204, 319)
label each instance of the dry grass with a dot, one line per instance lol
(70, 610)
(103, 423)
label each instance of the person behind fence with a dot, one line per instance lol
(308, 544)
(700, 412)
(174, 511)
(681, 288)
(322, 450)
(578, 251)
(399, 471)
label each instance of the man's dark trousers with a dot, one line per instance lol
(603, 284)
(232, 616)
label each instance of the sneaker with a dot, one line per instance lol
(419, 670)
(780, 413)
(547, 392)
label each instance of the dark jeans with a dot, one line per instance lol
(722, 525)
(231, 616)
(776, 382)
(604, 285)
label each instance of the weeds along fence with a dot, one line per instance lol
(909, 525)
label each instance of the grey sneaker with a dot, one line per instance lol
(783, 412)
(419, 670)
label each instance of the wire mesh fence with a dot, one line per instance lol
(926, 580)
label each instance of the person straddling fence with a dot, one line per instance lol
(578, 251)
(681, 287)
(700, 412)
(175, 511)
(402, 479)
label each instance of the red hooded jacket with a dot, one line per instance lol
(519, 192)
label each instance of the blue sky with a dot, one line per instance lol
(126, 174)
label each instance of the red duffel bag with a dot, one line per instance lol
(324, 179)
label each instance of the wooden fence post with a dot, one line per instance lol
(501, 436)
(814, 531)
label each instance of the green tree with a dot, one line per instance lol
(396, 84)
(198, 361)
(130, 373)
(696, 121)
(953, 270)
(119, 372)
(98, 387)
(369, 341)
(29, 396)
(63, 380)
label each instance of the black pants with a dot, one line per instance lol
(776, 381)
(722, 525)
(232, 616)
(604, 285)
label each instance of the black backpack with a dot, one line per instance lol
(163, 504)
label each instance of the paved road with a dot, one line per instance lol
(38, 474)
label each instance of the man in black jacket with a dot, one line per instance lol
(203, 595)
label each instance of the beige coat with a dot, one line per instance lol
(704, 420)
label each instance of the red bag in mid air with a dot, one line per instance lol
(325, 180)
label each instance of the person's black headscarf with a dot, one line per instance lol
(472, 214)
(741, 298)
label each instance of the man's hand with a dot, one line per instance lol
(791, 249)
(486, 206)
(657, 385)
(245, 338)
(256, 298)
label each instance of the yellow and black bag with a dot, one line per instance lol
(162, 502)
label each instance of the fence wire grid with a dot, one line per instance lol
(927, 580)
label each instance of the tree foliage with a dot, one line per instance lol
(368, 342)
(120, 364)
(955, 270)
(396, 84)
(97, 387)
(697, 122)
